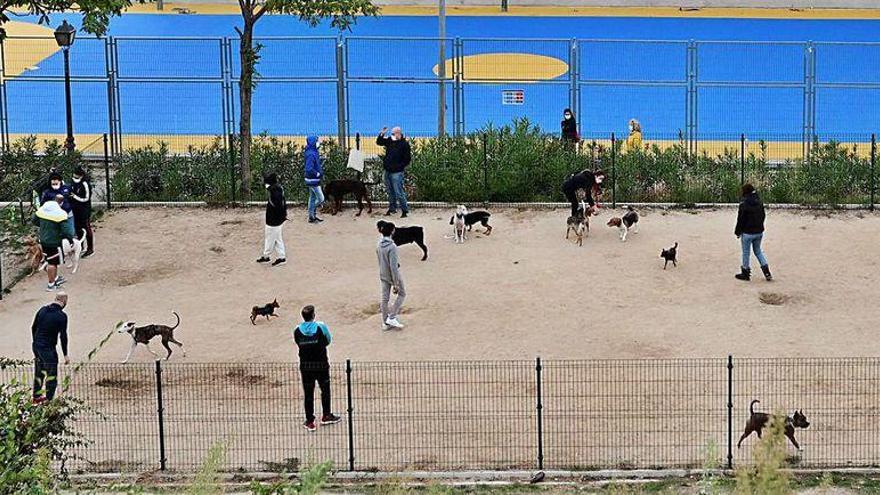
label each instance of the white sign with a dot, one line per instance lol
(356, 160)
(513, 96)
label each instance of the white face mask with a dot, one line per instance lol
(599, 179)
(632, 128)
(77, 181)
(56, 186)
(567, 116)
(267, 186)
(395, 137)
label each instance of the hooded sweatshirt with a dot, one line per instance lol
(750, 219)
(53, 224)
(312, 339)
(314, 172)
(389, 266)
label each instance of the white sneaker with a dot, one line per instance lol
(386, 327)
(51, 288)
(392, 322)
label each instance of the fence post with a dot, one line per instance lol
(161, 411)
(613, 173)
(485, 168)
(539, 407)
(340, 93)
(231, 152)
(873, 168)
(742, 159)
(350, 417)
(729, 412)
(106, 173)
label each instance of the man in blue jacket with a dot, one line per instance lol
(314, 172)
(312, 338)
(56, 187)
(49, 325)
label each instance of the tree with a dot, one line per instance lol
(96, 13)
(342, 14)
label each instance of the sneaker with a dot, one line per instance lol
(87, 254)
(319, 220)
(60, 280)
(386, 327)
(263, 259)
(313, 220)
(404, 214)
(51, 288)
(393, 322)
(310, 425)
(330, 419)
(279, 261)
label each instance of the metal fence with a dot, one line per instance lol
(184, 91)
(627, 414)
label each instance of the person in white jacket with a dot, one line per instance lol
(389, 277)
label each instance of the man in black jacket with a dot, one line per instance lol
(398, 156)
(312, 338)
(585, 180)
(81, 203)
(750, 230)
(276, 214)
(49, 325)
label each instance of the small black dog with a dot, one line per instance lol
(409, 235)
(337, 189)
(475, 217)
(267, 311)
(670, 254)
(757, 422)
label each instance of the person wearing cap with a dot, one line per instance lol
(54, 227)
(276, 215)
(81, 205)
(50, 325)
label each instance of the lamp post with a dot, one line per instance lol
(64, 36)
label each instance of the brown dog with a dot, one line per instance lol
(336, 190)
(34, 254)
(757, 422)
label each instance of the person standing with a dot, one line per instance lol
(276, 215)
(389, 277)
(750, 230)
(53, 228)
(314, 173)
(56, 187)
(586, 180)
(50, 325)
(634, 140)
(312, 339)
(398, 156)
(81, 205)
(569, 127)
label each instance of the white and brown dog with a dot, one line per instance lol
(143, 335)
(70, 252)
(459, 228)
(629, 221)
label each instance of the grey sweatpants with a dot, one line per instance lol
(385, 291)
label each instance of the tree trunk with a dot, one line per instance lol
(246, 90)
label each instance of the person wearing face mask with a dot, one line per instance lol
(569, 127)
(50, 325)
(54, 227)
(276, 215)
(586, 180)
(397, 157)
(634, 140)
(81, 204)
(56, 187)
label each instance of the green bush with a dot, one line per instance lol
(24, 163)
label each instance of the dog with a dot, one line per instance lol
(458, 224)
(267, 311)
(629, 221)
(475, 217)
(757, 422)
(34, 254)
(143, 335)
(336, 190)
(579, 224)
(410, 235)
(670, 254)
(71, 252)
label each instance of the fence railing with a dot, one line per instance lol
(542, 414)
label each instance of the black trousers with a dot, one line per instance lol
(82, 221)
(45, 372)
(309, 377)
(571, 196)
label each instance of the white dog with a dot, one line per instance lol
(70, 253)
(459, 228)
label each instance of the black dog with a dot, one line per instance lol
(670, 255)
(267, 311)
(757, 422)
(143, 335)
(337, 189)
(409, 235)
(475, 217)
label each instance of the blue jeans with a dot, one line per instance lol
(316, 199)
(753, 242)
(396, 194)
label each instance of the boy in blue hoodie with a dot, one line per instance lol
(313, 175)
(312, 338)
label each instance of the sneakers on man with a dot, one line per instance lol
(279, 261)
(87, 254)
(60, 280)
(393, 322)
(404, 214)
(51, 288)
(330, 419)
(386, 327)
(263, 259)
(319, 219)
(310, 425)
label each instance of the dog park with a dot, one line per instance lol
(534, 339)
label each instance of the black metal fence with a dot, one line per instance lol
(626, 414)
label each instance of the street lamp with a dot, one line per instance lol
(64, 36)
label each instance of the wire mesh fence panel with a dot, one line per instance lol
(296, 58)
(444, 415)
(515, 60)
(498, 104)
(852, 63)
(846, 110)
(837, 395)
(632, 61)
(608, 108)
(767, 62)
(750, 109)
(183, 58)
(293, 109)
(634, 414)
(254, 410)
(381, 58)
(41, 57)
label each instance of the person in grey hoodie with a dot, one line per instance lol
(389, 277)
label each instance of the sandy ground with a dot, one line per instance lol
(522, 292)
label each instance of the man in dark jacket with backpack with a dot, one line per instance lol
(276, 215)
(398, 155)
(750, 230)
